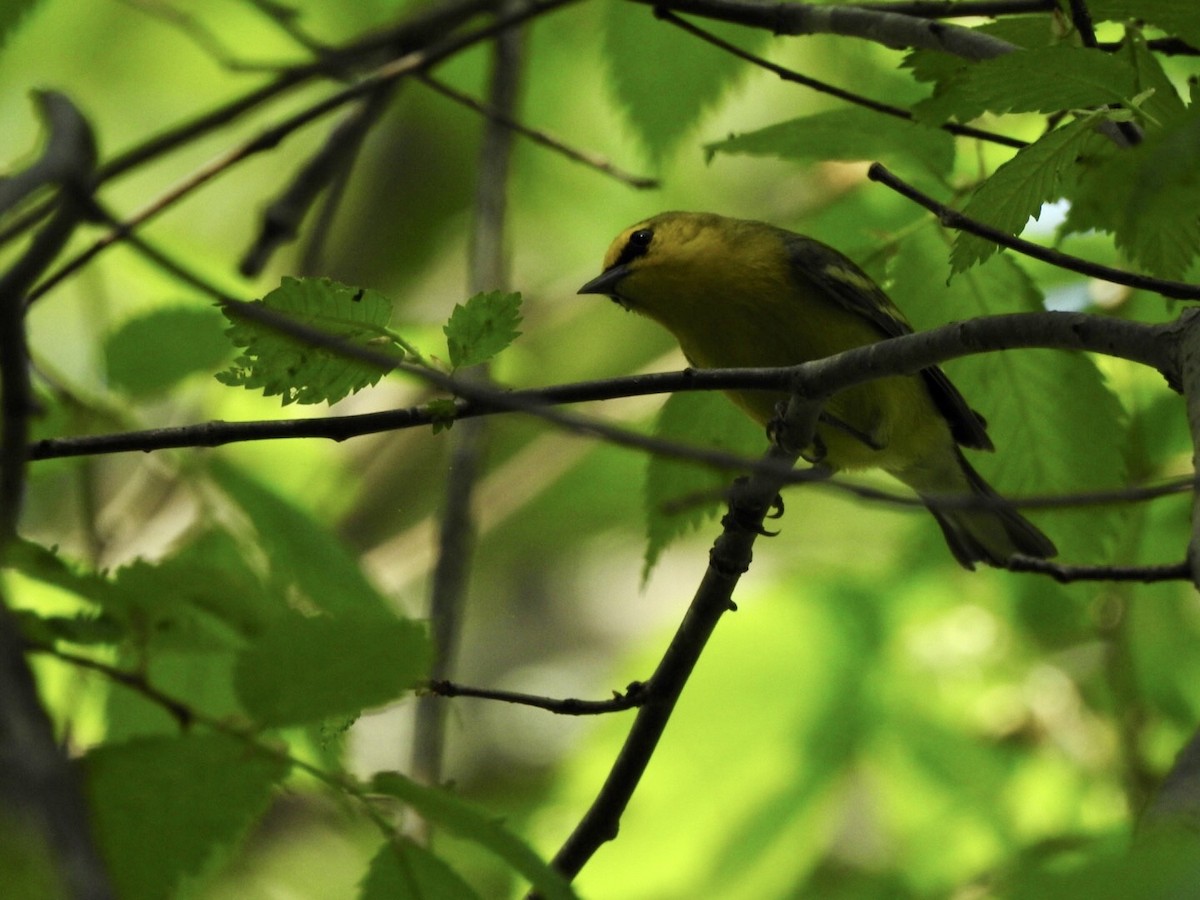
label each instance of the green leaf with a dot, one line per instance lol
(152, 353)
(847, 134)
(444, 413)
(1016, 191)
(47, 566)
(202, 597)
(681, 496)
(297, 371)
(445, 810)
(402, 870)
(1148, 197)
(1045, 80)
(482, 327)
(161, 806)
(304, 554)
(303, 669)
(663, 78)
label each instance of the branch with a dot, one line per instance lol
(411, 34)
(1065, 574)
(591, 160)
(952, 218)
(750, 501)
(891, 29)
(1148, 345)
(270, 138)
(634, 696)
(39, 790)
(1189, 352)
(186, 715)
(820, 86)
(283, 217)
(951, 9)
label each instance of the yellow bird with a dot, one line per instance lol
(739, 293)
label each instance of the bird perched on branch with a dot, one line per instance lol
(742, 294)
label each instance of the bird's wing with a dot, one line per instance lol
(844, 282)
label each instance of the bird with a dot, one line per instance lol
(739, 293)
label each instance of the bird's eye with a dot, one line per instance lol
(641, 238)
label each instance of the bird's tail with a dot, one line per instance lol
(990, 534)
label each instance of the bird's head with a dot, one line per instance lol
(655, 266)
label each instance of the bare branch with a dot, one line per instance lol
(1065, 574)
(750, 501)
(633, 697)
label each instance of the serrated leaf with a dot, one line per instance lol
(681, 496)
(161, 807)
(1056, 425)
(664, 79)
(152, 353)
(847, 134)
(1148, 197)
(1162, 105)
(447, 811)
(1044, 79)
(402, 870)
(299, 372)
(480, 328)
(303, 669)
(1017, 190)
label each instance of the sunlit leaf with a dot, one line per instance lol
(310, 371)
(480, 328)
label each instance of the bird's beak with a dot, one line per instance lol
(605, 282)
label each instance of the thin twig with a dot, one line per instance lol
(1065, 574)
(825, 88)
(633, 697)
(591, 160)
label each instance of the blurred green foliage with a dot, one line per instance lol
(873, 722)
